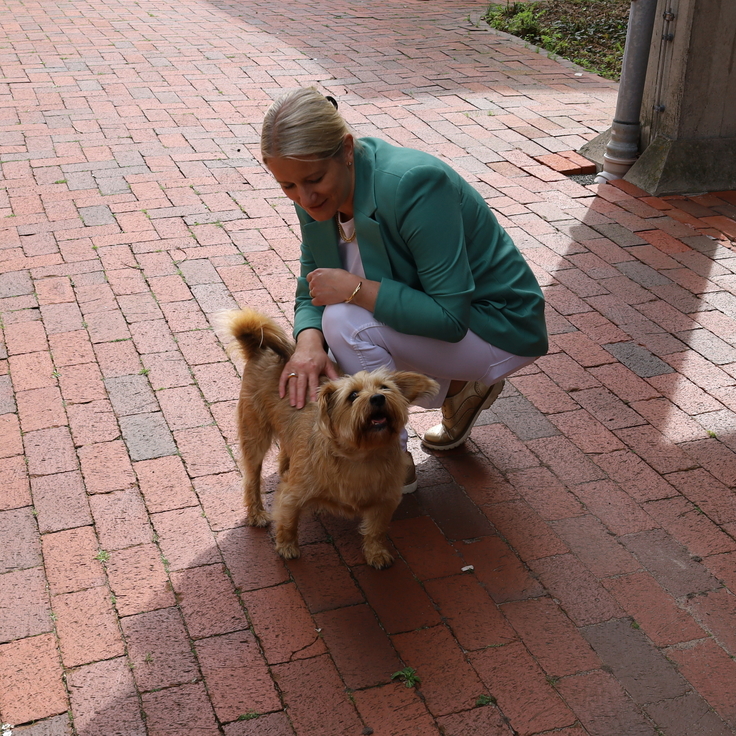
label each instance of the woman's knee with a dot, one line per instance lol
(350, 332)
(336, 325)
(345, 321)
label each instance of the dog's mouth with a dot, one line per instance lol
(378, 423)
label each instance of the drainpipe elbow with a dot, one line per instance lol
(605, 176)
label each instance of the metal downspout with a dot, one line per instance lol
(622, 149)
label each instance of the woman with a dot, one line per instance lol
(403, 264)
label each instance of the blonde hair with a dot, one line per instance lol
(303, 124)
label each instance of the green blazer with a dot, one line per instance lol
(444, 263)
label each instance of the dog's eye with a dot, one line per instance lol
(353, 396)
(384, 388)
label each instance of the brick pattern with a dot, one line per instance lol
(570, 570)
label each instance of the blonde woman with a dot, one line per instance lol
(402, 265)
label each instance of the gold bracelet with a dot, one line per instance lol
(352, 296)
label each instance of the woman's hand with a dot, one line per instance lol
(331, 285)
(301, 375)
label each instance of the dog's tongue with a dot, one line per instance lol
(378, 422)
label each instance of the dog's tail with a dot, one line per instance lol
(250, 333)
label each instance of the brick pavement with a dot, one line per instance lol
(595, 502)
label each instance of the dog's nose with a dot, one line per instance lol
(378, 400)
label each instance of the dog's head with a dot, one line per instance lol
(368, 410)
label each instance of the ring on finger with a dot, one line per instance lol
(291, 375)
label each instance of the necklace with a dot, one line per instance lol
(342, 232)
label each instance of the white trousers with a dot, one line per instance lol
(358, 341)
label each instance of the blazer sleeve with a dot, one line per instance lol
(429, 220)
(306, 314)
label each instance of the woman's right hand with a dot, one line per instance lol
(301, 375)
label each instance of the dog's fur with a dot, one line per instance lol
(339, 454)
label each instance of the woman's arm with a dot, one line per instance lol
(310, 360)
(306, 314)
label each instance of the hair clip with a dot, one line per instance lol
(332, 100)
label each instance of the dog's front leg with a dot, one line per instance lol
(286, 511)
(373, 528)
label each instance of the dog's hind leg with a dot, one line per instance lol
(286, 513)
(373, 528)
(284, 462)
(252, 451)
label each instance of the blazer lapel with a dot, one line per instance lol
(376, 262)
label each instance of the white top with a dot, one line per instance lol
(349, 252)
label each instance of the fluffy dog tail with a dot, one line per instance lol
(251, 333)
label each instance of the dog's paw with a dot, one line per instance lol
(288, 551)
(379, 558)
(258, 518)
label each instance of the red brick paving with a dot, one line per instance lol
(595, 507)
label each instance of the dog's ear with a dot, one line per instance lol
(414, 385)
(325, 399)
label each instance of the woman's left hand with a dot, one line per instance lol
(331, 285)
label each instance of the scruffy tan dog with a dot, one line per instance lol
(339, 454)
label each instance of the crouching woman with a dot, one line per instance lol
(403, 265)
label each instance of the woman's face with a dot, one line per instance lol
(322, 187)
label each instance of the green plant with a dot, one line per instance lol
(485, 700)
(249, 715)
(518, 19)
(102, 555)
(408, 676)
